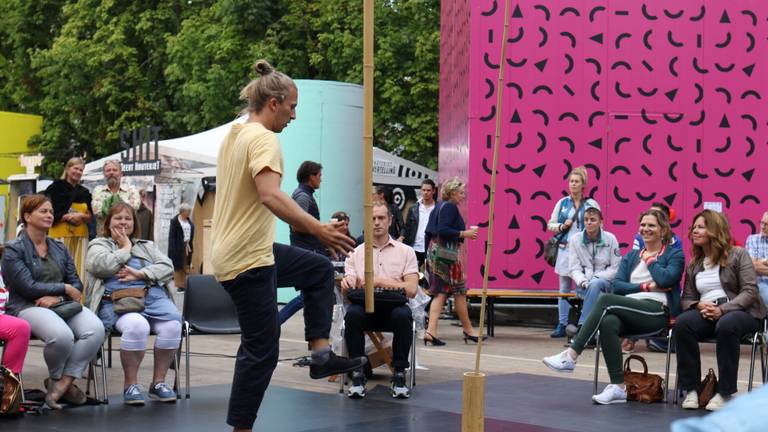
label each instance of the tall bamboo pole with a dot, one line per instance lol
(492, 203)
(368, 149)
(473, 416)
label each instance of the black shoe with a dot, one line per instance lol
(432, 340)
(335, 365)
(468, 336)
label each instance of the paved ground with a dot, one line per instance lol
(514, 349)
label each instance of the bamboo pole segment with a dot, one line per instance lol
(368, 149)
(473, 415)
(492, 203)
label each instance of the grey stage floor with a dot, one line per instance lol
(515, 402)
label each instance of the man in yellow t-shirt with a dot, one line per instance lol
(247, 261)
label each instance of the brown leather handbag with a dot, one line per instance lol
(707, 388)
(642, 387)
(10, 404)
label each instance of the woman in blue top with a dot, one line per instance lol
(122, 261)
(451, 233)
(567, 219)
(646, 293)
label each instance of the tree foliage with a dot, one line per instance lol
(92, 67)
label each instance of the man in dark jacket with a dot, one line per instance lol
(417, 219)
(309, 175)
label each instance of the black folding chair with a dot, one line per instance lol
(208, 309)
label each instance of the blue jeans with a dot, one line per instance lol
(562, 304)
(762, 287)
(590, 295)
(290, 308)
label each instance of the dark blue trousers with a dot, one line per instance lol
(254, 293)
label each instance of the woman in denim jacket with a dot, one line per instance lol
(119, 260)
(40, 273)
(646, 294)
(566, 220)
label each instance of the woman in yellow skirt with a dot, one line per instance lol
(71, 212)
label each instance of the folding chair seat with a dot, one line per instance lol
(208, 309)
(759, 340)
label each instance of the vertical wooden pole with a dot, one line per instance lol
(473, 416)
(368, 149)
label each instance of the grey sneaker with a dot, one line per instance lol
(161, 392)
(132, 395)
(357, 389)
(399, 389)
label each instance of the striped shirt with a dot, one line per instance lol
(757, 247)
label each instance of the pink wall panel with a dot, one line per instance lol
(636, 90)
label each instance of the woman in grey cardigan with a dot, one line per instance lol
(120, 261)
(40, 273)
(720, 300)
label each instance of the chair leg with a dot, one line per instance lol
(186, 357)
(666, 367)
(109, 351)
(597, 360)
(755, 338)
(413, 356)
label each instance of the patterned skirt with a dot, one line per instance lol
(445, 278)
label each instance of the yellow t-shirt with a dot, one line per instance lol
(243, 228)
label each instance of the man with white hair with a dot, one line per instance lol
(757, 246)
(104, 197)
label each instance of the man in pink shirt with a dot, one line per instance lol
(395, 269)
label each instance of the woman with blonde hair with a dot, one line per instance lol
(720, 300)
(71, 211)
(447, 277)
(566, 220)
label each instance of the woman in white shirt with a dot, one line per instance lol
(720, 301)
(646, 293)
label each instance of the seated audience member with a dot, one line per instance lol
(646, 291)
(720, 300)
(653, 344)
(594, 257)
(638, 242)
(120, 261)
(395, 268)
(15, 333)
(757, 246)
(40, 273)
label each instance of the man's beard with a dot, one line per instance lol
(113, 182)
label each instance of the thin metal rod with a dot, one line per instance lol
(368, 149)
(492, 204)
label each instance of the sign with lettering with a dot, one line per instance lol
(140, 156)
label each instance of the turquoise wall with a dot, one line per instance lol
(328, 129)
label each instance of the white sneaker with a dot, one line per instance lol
(357, 389)
(691, 400)
(560, 362)
(612, 394)
(717, 402)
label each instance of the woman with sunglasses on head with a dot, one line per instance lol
(40, 274)
(720, 300)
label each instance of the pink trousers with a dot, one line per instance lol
(15, 332)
